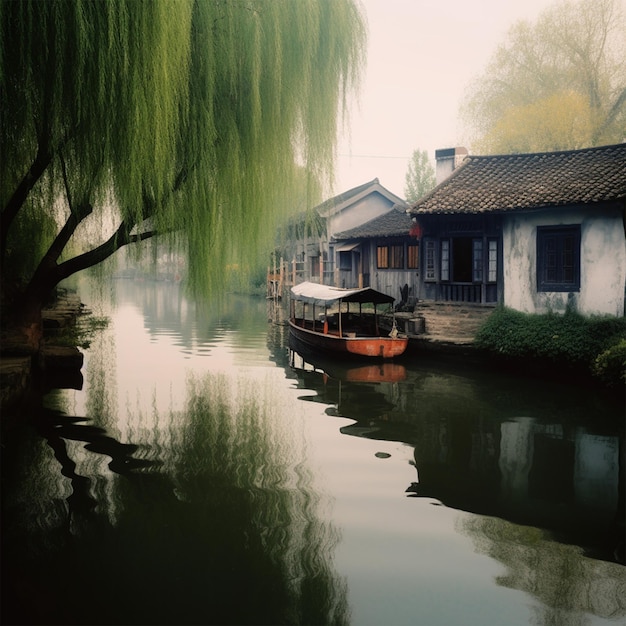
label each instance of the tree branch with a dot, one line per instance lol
(620, 101)
(118, 240)
(16, 201)
(76, 216)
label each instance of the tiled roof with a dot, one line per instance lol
(523, 181)
(391, 224)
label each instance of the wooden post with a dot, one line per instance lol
(340, 331)
(321, 264)
(360, 271)
(293, 271)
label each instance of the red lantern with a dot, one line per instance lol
(416, 231)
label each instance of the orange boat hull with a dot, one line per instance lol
(373, 347)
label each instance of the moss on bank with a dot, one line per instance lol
(594, 345)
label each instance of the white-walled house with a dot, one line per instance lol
(537, 232)
(308, 241)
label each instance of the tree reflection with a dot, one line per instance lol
(569, 586)
(238, 465)
(226, 528)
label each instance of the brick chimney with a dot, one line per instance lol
(448, 159)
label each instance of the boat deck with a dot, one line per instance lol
(351, 326)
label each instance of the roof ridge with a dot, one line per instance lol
(514, 181)
(345, 195)
(621, 144)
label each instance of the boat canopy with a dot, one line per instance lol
(314, 293)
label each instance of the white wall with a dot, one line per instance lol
(602, 261)
(366, 209)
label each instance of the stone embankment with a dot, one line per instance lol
(19, 364)
(443, 325)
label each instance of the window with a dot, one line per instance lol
(396, 257)
(382, 257)
(429, 260)
(492, 261)
(390, 257)
(413, 256)
(477, 260)
(345, 260)
(445, 259)
(315, 266)
(558, 258)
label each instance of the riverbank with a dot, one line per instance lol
(549, 347)
(54, 366)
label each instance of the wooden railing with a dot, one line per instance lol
(287, 273)
(459, 292)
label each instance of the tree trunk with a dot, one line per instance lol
(27, 316)
(28, 321)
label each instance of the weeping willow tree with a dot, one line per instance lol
(191, 120)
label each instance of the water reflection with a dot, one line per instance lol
(561, 469)
(537, 487)
(200, 510)
(570, 588)
(226, 530)
(255, 468)
(208, 474)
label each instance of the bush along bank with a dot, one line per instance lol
(567, 344)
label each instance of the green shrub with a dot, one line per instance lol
(610, 365)
(570, 338)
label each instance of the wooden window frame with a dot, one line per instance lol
(492, 260)
(396, 256)
(413, 256)
(445, 259)
(345, 260)
(478, 260)
(382, 257)
(390, 256)
(558, 258)
(430, 260)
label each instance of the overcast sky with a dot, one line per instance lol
(422, 54)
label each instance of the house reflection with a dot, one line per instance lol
(558, 467)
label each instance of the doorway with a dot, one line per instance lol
(462, 260)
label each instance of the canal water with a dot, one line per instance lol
(206, 473)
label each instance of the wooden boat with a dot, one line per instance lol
(322, 319)
(301, 357)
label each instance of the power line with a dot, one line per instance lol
(372, 156)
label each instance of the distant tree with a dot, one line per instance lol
(559, 83)
(420, 177)
(191, 119)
